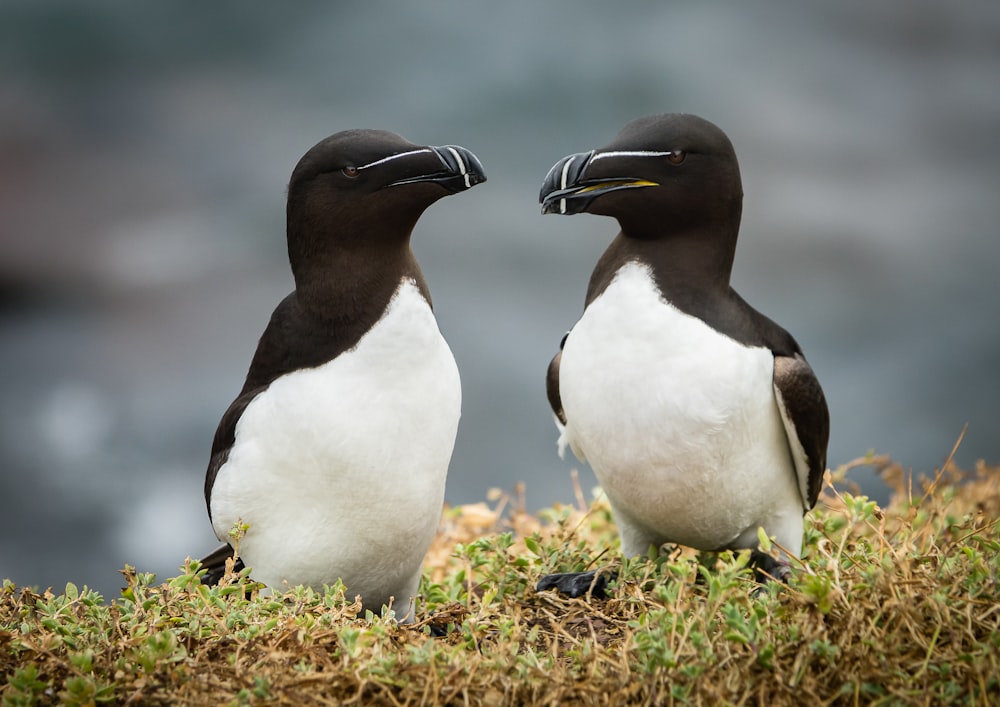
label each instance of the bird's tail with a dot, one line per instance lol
(215, 563)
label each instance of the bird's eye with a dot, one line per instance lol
(350, 171)
(676, 156)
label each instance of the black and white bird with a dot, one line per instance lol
(700, 416)
(335, 452)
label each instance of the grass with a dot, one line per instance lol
(895, 605)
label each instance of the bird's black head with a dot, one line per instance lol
(361, 162)
(353, 201)
(362, 189)
(357, 177)
(661, 174)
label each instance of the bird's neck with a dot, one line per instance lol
(686, 265)
(353, 281)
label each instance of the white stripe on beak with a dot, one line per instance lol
(461, 166)
(562, 183)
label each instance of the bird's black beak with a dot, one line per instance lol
(460, 170)
(464, 170)
(567, 189)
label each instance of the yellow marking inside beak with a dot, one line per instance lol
(618, 185)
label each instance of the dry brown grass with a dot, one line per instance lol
(895, 605)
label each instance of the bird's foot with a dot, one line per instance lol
(438, 621)
(578, 584)
(767, 568)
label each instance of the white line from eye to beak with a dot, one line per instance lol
(394, 157)
(628, 153)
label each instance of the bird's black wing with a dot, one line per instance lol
(807, 421)
(294, 339)
(797, 391)
(271, 359)
(552, 384)
(552, 388)
(225, 436)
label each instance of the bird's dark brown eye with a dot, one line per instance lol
(676, 156)
(350, 171)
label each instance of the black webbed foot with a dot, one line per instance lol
(578, 584)
(767, 568)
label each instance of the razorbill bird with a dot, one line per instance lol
(700, 416)
(334, 454)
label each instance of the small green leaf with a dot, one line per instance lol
(532, 545)
(765, 542)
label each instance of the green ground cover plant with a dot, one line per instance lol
(893, 605)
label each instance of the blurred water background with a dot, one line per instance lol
(145, 149)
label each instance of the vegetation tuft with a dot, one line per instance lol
(895, 605)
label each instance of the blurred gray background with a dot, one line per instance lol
(145, 149)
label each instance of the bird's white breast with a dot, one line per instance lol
(678, 421)
(339, 470)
